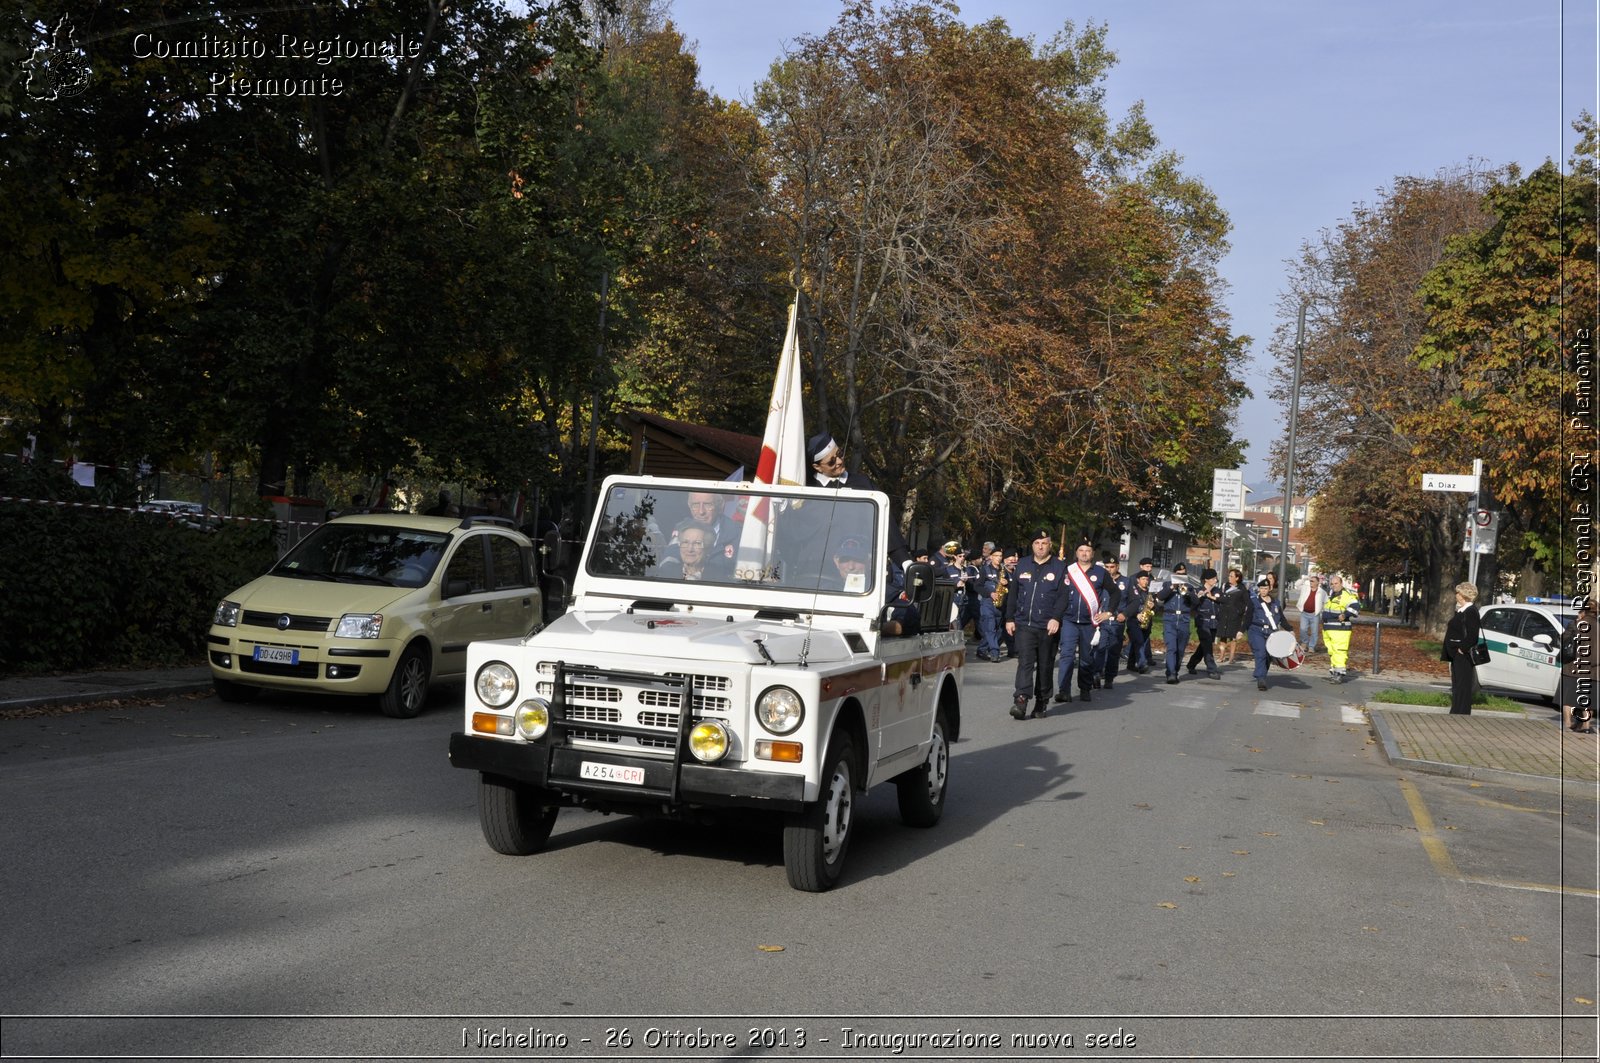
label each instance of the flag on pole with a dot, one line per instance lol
(783, 454)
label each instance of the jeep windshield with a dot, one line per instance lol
(365, 553)
(675, 534)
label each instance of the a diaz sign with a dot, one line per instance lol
(1439, 481)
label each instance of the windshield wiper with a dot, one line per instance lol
(361, 577)
(302, 573)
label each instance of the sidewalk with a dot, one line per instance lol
(48, 691)
(1519, 750)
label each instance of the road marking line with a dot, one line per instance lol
(1351, 714)
(1276, 708)
(1446, 866)
(1431, 842)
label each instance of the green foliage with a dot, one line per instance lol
(94, 589)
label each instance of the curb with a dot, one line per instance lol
(155, 690)
(1391, 751)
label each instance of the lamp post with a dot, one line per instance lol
(1288, 475)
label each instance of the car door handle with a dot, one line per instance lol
(488, 607)
(527, 601)
(916, 679)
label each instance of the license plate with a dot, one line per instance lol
(611, 773)
(277, 655)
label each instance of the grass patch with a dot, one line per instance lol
(1428, 646)
(1401, 696)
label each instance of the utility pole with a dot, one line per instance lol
(1288, 476)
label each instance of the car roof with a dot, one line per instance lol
(419, 522)
(1549, 608)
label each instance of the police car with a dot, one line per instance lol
(1524, 639)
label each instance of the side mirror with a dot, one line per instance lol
(455, 588)
(1544, 640)
(919, 582)
(550, 552)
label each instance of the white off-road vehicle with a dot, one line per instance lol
(733, 645)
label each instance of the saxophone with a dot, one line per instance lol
(1147, 611)
(999, 595)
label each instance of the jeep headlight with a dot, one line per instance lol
(708, 741)
(227, 614)
(780, 710)
(496, 684)
(359, 626)
(533, 718)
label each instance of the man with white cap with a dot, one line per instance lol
(826, 459)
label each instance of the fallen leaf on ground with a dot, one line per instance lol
(1582, 1000)
(1241, 852)
(1315, 822)
(1229, 874)
(769, 948)
(1191, 878)
(1269, 834)
(1519, 937)
(1169, 904)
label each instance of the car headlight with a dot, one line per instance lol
(496, 684)
(359, 626)
(533, 718)
(780, 710)
(227, 614)
(708, 741)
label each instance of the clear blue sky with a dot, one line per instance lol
(1291, 112)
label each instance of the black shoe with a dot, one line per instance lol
(1019, 706)
(1040, 709)
(1171, 679)
(1061, 695)
(1083, 695)
(1260, 685)
(1214, 675)
(1191, 669)
(1106, 683)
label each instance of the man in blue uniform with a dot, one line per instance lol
(1178, 603)
(1033, 616)
(1083, 610)
(1119, 595)
(988, 612)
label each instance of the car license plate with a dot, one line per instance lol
(611, 773)
(277, 655)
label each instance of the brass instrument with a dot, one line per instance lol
(999, 594)
(1147, 611)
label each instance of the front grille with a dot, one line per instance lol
(632, 701)
(262, 618)
(303, 670)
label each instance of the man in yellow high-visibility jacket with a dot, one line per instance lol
(1338, 618)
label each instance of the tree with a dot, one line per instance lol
(1361, 285)
(1006, 298)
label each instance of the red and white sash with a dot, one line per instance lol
(1086, 590)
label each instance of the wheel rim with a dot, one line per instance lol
(836, 823)
(938, 765)
(413, 683)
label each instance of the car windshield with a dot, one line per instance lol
(365, 553)
(674, 535)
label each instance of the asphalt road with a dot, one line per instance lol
(1196, 870)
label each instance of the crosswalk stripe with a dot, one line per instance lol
(1276, 708)
(1351, 714)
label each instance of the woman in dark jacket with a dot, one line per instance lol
(1577, 672)
(1232, 611)
(1460, 635)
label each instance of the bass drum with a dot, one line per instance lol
(1281, 645)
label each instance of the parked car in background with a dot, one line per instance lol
(376, 604)
(186, 514)
(1523, 640)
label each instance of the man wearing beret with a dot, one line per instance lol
(1178, 605)
(826, 459)
(1085, 605)
(1033, 615)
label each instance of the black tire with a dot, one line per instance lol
(408, 687)
(234, 693)
(922, 789)
(815, 841)
(516, 819)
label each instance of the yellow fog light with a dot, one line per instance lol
(490, 724)
(708, 741)
(533, 719)
(784, 752)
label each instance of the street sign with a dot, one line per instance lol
(1488, 525)
(1227, 491)
(1440, 481)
